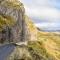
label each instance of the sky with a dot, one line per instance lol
(44, 13)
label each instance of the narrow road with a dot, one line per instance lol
(5, 51)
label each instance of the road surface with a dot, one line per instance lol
(5, 51)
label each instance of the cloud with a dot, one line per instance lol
(42, 9)
(48, 26)
(45, 13)
(55, 3)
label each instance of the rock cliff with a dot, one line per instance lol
(18, 32)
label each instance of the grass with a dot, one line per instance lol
(13, 4)
(30, 24)
(6, 21)
(38, 51)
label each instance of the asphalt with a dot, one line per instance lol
(5, 51)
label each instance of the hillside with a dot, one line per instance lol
(46, 47)
(29, 43)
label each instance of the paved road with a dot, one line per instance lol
(5, 51)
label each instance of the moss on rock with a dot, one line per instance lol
(12, 4)
(6, 21)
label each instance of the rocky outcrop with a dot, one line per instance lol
(23, 29)
(31, 29)
(14, 9)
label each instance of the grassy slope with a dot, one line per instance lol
(47, 47)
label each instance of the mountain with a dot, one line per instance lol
(19, 34)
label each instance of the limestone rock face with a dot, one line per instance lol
(14, 9)
(31, 29)
(22, 30)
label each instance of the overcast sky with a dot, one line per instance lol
(44, 13)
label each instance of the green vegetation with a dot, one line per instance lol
(13, 4)
(6, 21)
(30, 25)
(38, 51)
